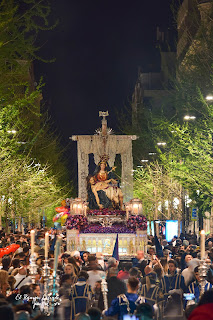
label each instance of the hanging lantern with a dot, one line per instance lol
(77, 206)
(135, 207)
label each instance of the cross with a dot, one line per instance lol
(103, 114)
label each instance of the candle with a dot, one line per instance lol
(32, 234)
(202, 244)
(56, 254)
(46, 245)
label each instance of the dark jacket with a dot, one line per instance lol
(115, 288)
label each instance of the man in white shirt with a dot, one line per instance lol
(22, 278)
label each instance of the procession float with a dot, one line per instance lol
(105, 206)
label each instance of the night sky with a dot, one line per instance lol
(98, 46)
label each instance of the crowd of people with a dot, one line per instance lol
(163, 283)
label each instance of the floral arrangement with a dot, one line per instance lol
(137, 222)
(116, 228)
(104, 212)
(78, 222)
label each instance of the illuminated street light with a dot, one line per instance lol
(11, 131)
(144, 160)
(152, 153)
(187, 117)
(209, 97)
(161, 143)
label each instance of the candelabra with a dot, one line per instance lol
(53, 296)
(33, 267)
(46, 278)
(203, 270)
(104, 290)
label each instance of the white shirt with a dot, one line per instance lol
(19, 277)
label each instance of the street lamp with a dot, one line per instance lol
(188, 117)
(144, 160)
(11, 131)
(152, 153)
(161, 143)
(209, 97)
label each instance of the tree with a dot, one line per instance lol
(31, 157)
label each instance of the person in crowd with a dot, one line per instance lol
(94, 272)
(14, 264)
(140, 262)
(188, 273)
(203, 311)
(22, 276)
(94, 313)
(172, 280)
(124, 273)
(152, 293)
(73, 262)
(144, 312)
(115, 285)
(126, 303)
(4, 285)
(85, 258)
(195, 287)
(6, 261)
(81, 295)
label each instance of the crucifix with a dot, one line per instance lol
(104, 114)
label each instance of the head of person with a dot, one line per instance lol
(6, 262)
(83, 275)
(66, 279)
(11, 281)
(23, 268)
(98, 286)
(196, 274)
(6, 312)
(151, 251)
(16, 263)
(112, 272)
(22, 315)
(172, 266)
(127, 266)
(158, 271)
(188, 257)
(36, 290)
(65, 258)
(102, 165)
(69, 269)
(90, 181)
(134, 272)
(206, 298)
(140, 255)
(112, 262)
(132, 285)
(3, 280)
(94, 313)
(210, 244)
(82, 316)
(147, 270)
(144, 312)
(85, 256)
(189, 310)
